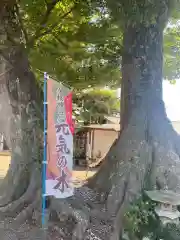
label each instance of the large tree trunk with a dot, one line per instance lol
(146, 155)
(25, 102)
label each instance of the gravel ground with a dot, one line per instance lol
(29, 231)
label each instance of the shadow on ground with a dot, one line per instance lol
(10, 231)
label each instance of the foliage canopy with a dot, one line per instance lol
(80, 42)
(93, 105)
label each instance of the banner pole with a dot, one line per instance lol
(44, 164)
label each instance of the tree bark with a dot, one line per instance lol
(146, 154)
(25, 101)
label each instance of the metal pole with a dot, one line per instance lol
(44, 155)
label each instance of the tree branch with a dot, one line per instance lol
(39, 33)
(21, 23)
(60, 41)
(50, 8)
(6, 3)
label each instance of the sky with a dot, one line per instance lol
(171, 96)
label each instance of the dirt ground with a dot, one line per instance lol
(9, 229)
(5, 160)
(79, 173)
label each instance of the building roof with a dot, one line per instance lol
(113, 119)
(116, 127)
(113, 127)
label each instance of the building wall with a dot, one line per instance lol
(176, 126)
(6, 114)
(99, 142)
(89, 144)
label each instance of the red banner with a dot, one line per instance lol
(60, 131)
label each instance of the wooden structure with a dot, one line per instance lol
(91, 143)
(80, 142)
(1, 142)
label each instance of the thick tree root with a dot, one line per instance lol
(146, 156)
(86, 216)
(145, 161)
(15, 207)
(26, 213)
(16, 176)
